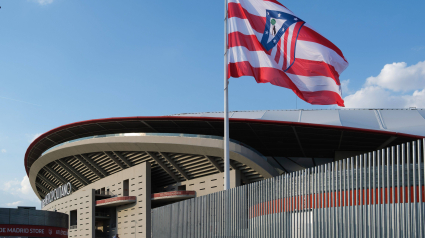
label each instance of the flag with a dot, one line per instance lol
(267, 41)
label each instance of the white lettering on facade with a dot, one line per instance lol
(61, 191)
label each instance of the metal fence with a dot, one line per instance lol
(378, 194)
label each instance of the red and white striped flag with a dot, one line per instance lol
(267, 41)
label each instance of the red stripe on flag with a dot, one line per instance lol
(279, 47)
(313, 68)
(248, 41)
(257, 23)
(279, 78)
(285, 50)
(308, 34)
(274, 1)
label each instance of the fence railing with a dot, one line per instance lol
(377, 194)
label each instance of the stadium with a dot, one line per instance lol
(133, 176)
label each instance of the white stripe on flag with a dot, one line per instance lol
(242, 26)
(316, 52)
(314, 83)
(256, 58)
(289, 52)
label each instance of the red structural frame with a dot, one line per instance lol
(183, 118)
(173, 193)
(115, 199)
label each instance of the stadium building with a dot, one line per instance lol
(110, 175)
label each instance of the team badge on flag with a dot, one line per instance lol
(269, 42)
(277, 25)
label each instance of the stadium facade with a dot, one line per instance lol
(131, 175)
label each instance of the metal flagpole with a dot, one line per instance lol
(226, 108)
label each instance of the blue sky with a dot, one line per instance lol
(63, 61)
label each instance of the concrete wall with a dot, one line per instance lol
(208, 184)
(136, 217)
(83, 202)
(129, 218)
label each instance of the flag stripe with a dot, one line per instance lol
(278, 78)
(294, 37)
(308, 34)
(317, 52)
(285, 50)
(260, 7)
(242, 25)
(256, 22)
(276, 2)
(314, 68)
(289, 49)
(248, 41)
(279, 46)
(259, 59)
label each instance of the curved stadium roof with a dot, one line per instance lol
(275, 134)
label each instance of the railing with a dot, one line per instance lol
(378, 194)
(108, 192)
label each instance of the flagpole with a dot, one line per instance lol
(226, 108)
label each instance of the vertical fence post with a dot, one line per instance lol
(415, 218)
(409, 227)
(397, 202)
(403, 192)
(420, 212)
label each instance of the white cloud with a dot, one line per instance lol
(14, 204)
(397, 86)
(344, 86)
(398, 77)
(10, 185)
(43, 2)
(3, 150)
(418, 48)
(25, 186)
(21, 189)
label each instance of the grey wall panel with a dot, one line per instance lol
(4, 215)
(328, 117)
(36, 217)
(359, 118)
(282, 115)
(19, 216)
